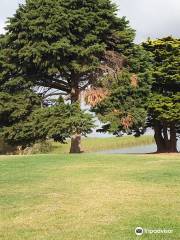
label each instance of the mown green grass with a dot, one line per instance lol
(99, 144)
(88, 196)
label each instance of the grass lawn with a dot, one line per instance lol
(89, 196)
(99, 144)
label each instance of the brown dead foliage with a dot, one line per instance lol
(127, 121)
(112, 63)
(134, 80)
(93, 96)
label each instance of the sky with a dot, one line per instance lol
(150, 18)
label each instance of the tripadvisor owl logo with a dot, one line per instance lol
(139, 231)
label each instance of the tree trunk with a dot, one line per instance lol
(75, 94)
(76, 144)
(173, 139)
(165, 136)
(159, 138)
(76, 138)
(165, 144)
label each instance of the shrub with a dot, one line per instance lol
(39, 148)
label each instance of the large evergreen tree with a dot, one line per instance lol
(17, 99)
(153, 102)
(63, 45)
(28, 116)
(164, 103)
(123, 109)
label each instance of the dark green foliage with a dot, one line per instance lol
(125, 108)
(164, 108)
(23, 120)
(164, 103)
(57, 44)
(17, 107)
(57, 122)
(155, 105)
(17, 100)
(60, 43)
(62, 121)
(15, 110)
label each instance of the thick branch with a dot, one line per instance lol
(56, 85)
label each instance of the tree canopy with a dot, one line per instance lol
(164, 102)
(124, 109)
(27, 116)
(58, 122)
(147, 95)
(61, 44)
(54, 48)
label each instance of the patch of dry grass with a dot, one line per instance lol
(88, 197)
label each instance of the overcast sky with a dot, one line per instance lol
(150, 18)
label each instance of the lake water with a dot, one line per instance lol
(138, 149)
